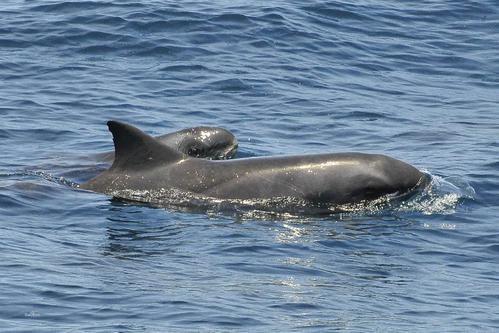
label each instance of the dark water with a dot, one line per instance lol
(418, 81)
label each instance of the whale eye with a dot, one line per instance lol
(373, 190)
(193, 151)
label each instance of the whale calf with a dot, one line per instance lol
(144, 163)
(202, 142)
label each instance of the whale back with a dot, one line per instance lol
(145, 165)
(135, 149)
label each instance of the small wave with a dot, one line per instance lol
(336, 13)
(173, 25)
(233, 20)
(230, 85)
(72, 6)
(98, 49)
(12, 43)
(47, 176)
(184, 68)
(173, 51)
(115, 21)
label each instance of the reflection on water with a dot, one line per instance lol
(131, 234)
(291, 233)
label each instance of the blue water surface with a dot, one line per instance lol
(418, 81)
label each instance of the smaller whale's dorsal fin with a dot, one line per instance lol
(135, 149)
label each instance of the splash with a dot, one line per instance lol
(441, 196)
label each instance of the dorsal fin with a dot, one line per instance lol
(135, 149)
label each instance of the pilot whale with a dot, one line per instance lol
(202, 142)
(144, 163)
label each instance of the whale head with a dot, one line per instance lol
(209, 142)
(392, 177)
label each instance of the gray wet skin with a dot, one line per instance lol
(143, 163)
(202, 142)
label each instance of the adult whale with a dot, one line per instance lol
(144, 164)
(202, 141)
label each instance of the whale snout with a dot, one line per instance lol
(230, 152)
(401, 177)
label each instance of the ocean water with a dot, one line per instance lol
(418, 81)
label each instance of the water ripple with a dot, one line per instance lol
(417, 81)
